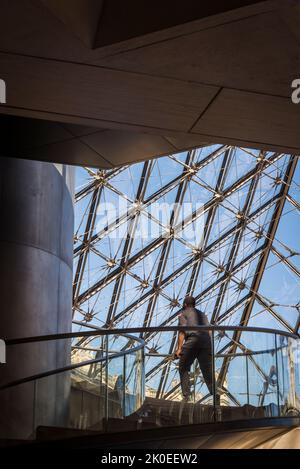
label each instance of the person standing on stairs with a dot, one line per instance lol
(193, 345)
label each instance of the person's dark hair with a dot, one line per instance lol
(189, 301)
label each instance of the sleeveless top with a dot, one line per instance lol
(193, 317)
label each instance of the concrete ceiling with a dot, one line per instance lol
(91, 83)
(73, 144)
(104, 22)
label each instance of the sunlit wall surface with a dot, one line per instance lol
(219, 222)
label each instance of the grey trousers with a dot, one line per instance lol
(195, 348)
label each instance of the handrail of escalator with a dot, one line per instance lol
(74, 366)
(132, 330)
(124, 332)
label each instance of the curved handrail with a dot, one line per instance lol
(132, 330)
(130, 401)
(249, 353)
(127, 333)
(74, 366)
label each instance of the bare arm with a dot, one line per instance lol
(207, 323)
(180, 341)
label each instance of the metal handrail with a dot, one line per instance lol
(74, 366)
(132, 330)
(124, 332)
(139, 345)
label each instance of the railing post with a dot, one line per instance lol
(143, 380)
(213, 374)
(124, 385)
(34, 407)
(283, 374)
(277, 375)
(247, 372)
(106, 381)
(194, 382)
(101, 368)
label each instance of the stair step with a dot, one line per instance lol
(44, 433)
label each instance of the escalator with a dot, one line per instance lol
(104, 401)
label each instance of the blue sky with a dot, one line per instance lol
(279, 287)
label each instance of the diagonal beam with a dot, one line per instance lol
(128, 244)
(263, 259)
(84, 252)
(273, 313)
(95, 182)
(285, 261)
(212, 202)
(197, 265)
(265, 253)
(293, 202)
(190, 263)
(167, 245)
(210, 217)
(237, 239)
(153, 197)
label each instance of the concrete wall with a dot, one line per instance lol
(36, 252)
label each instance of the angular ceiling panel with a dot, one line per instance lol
(81, 16)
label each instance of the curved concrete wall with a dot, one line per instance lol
(36, 252)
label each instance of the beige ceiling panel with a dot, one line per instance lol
(107, 95)
(258, 53)
(127, 147)
(243, 116)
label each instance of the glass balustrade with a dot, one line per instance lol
(256, 375)
(107, 386)
(103, 380)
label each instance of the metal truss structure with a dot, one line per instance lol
(219, 223)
